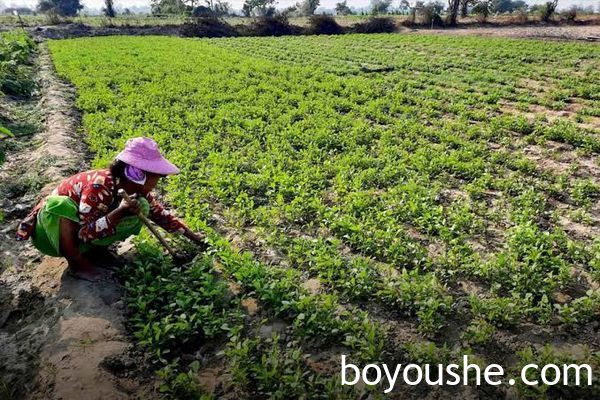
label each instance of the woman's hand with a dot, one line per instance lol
(196, 238)
(132, 207)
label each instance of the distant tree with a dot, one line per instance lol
(412, 14)
(212, 8)
(109, 9)
(464, 7)
(258, 7)
(246, 9)
(453, 6)
(482, 10)
(519, 5)
(221, 8)
(65, 8)
(127, 11)
(548, 9)
(202, 11)
(307, 7)
(430, 12)
(291, 10)
(342, 8)
(380, 6)
(507, 6)
(168, 7)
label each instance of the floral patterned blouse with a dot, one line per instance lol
(95, 192)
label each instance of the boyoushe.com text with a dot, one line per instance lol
(466, 373)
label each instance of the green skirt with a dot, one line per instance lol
(46, 237)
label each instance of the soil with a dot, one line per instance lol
(553, 32)
(55, 331)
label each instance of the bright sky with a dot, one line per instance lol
(237, 4)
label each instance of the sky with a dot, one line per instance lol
(237, 4)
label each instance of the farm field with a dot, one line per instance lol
(392, 198)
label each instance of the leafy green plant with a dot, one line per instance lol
(16, 49)
(549, 355)
(267, 369)
(427, 353)
(479, 332)
(366, 162)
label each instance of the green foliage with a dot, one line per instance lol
(480, 332)
(550, 355)
(362, 161)
(174, 308)
(16, 49)
(427, 353)
(419, 295)
(581, 310)
(268, 369)
(4, 134)
(65, 8)
(181, 385)
(531, 265)
(502, 312)
(584, 192)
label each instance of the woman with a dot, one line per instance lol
(84, 211)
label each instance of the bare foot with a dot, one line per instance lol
(103, 258)
(86, 274)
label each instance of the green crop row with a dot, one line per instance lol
(401, 172)
(16, 49)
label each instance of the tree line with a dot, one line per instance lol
(256, 8)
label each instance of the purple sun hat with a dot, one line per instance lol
(143, 153)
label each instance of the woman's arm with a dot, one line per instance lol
(194, 237)
(95, 222)
(164, 219)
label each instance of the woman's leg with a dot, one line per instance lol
(69, 242)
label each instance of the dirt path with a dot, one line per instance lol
(567, 32)
(55, 331)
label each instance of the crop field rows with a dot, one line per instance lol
(393, 198)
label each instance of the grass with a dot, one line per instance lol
(401, 172)
(5, 391)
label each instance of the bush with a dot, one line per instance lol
(375, 25)
(207, 27)
(323, 25)
(482, 12)
(547, 9)
(270, 26)
(202, 12)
